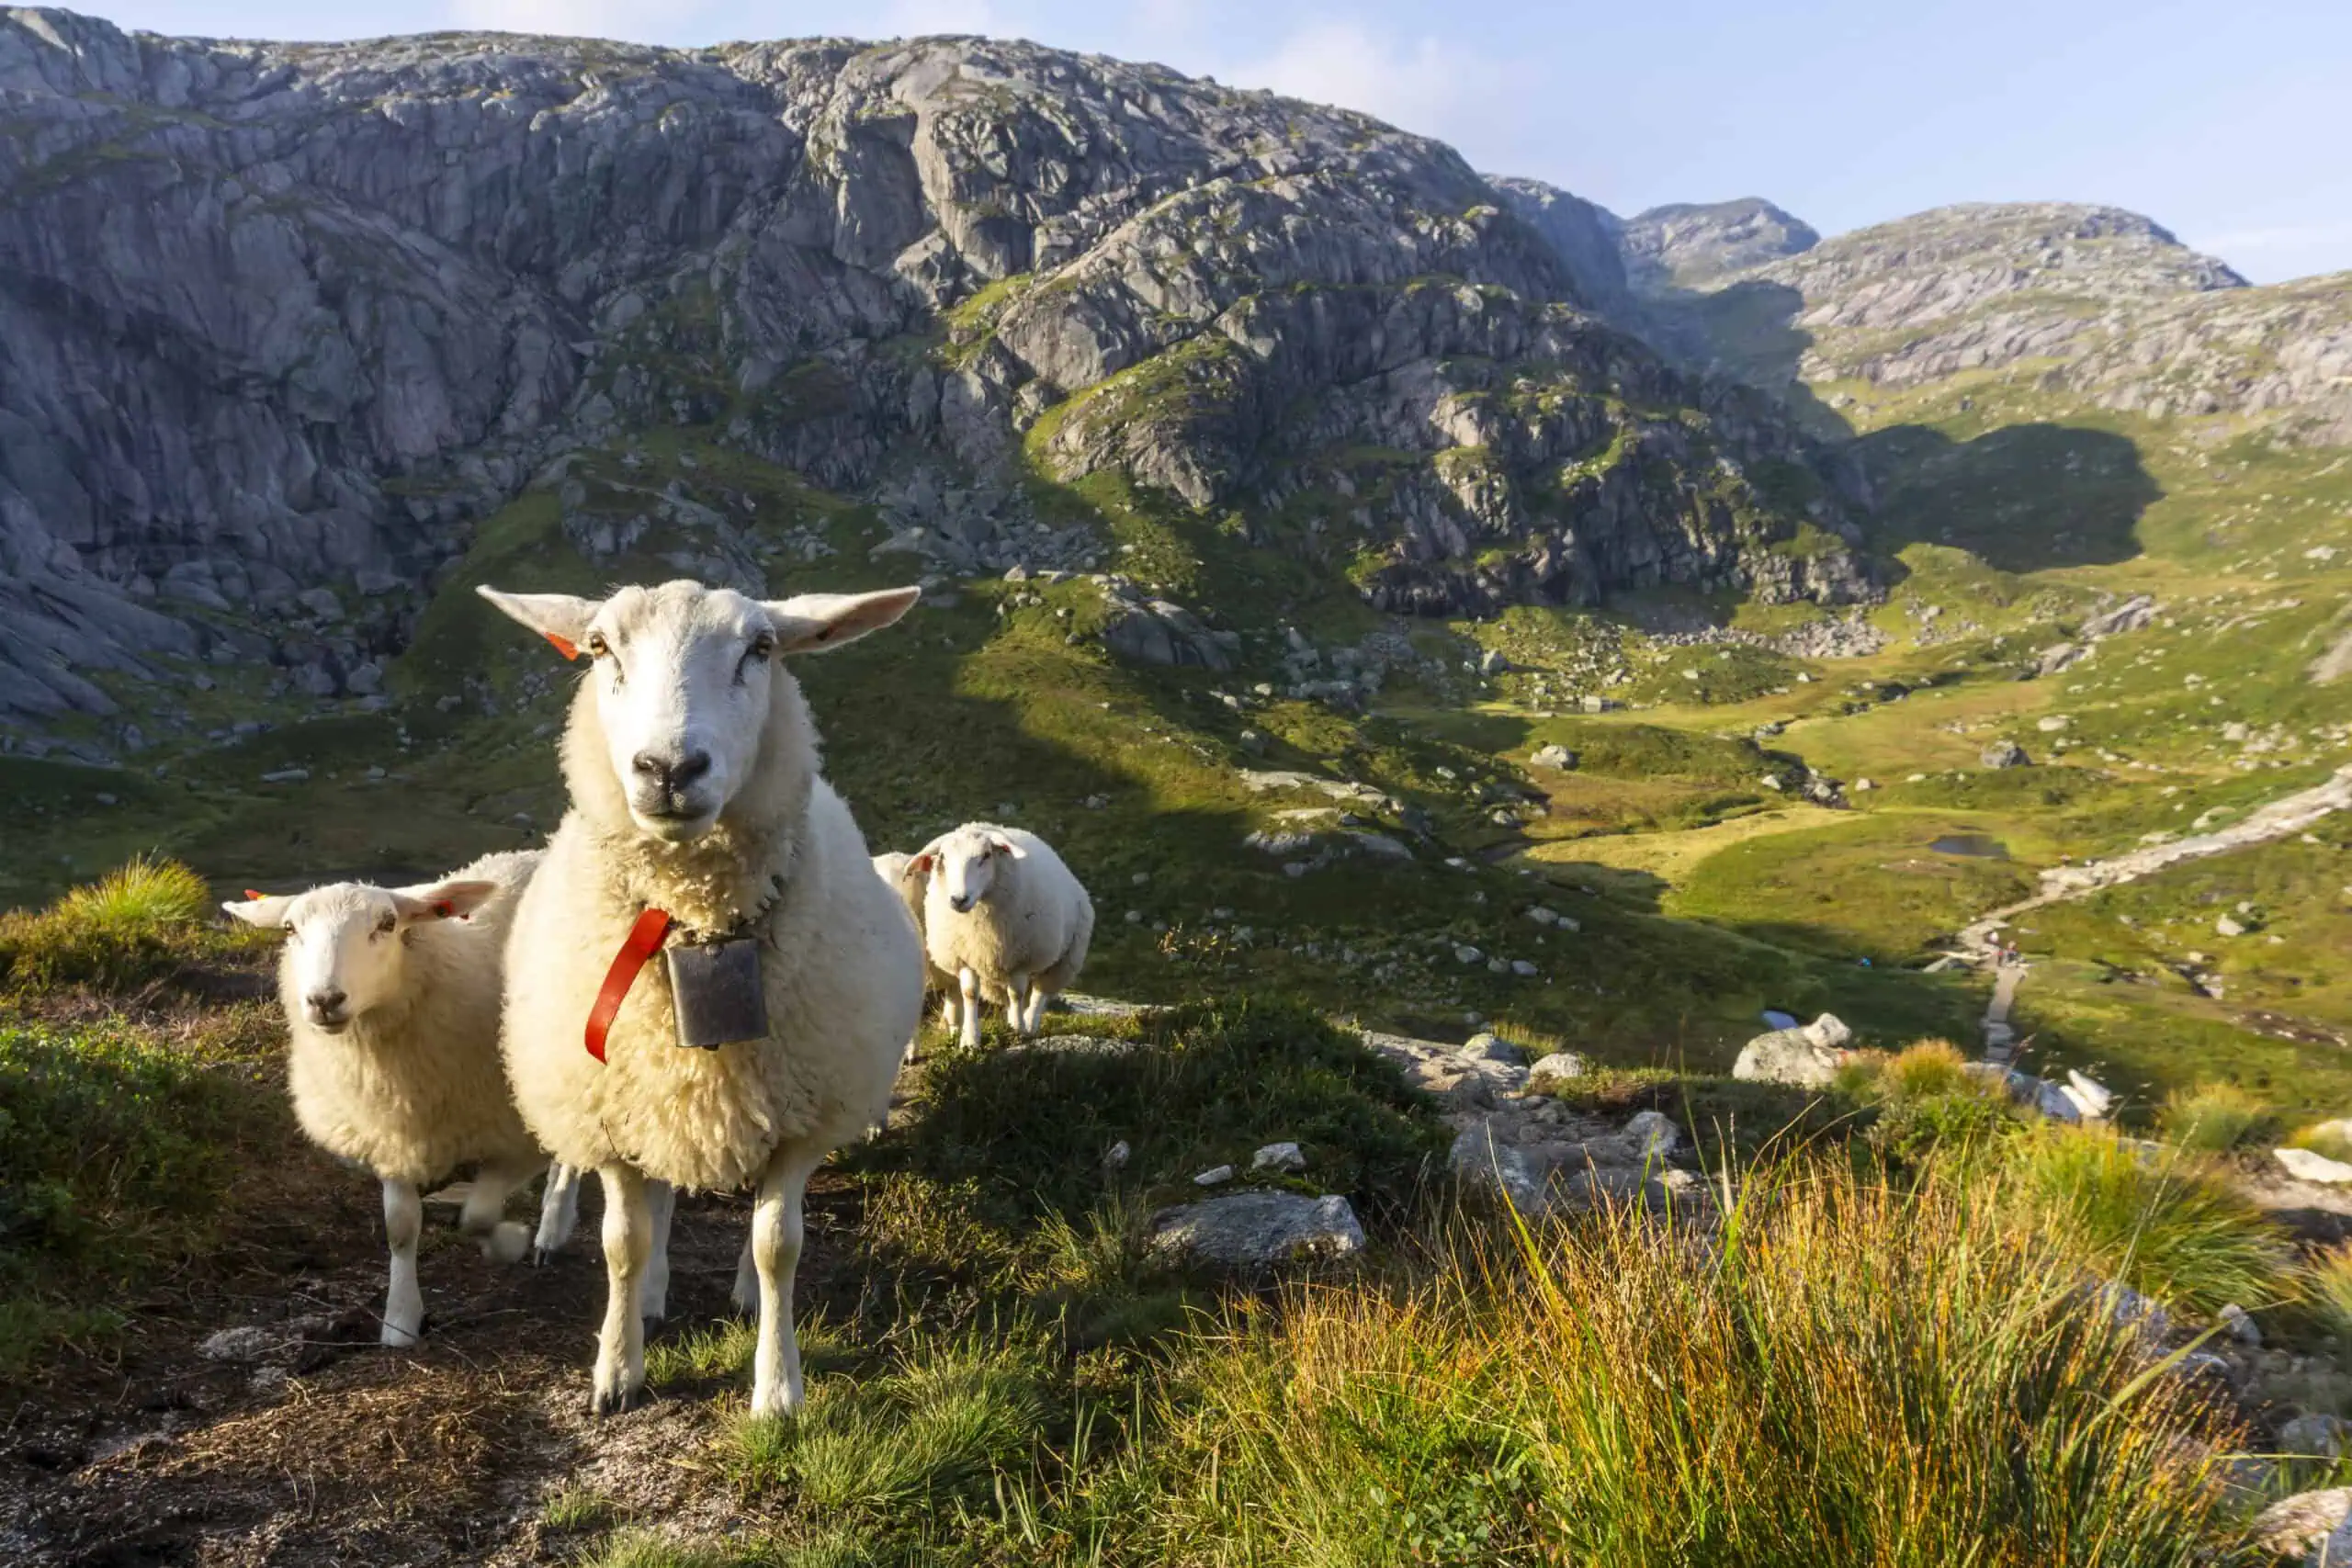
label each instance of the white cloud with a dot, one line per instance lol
(1426, 84)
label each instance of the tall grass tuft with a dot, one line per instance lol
(141, 922)
(1844, 1373)
(2326, 1282)
(2213, 1118)
(2163, 1223)
(143, 894)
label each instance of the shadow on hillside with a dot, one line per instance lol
(2021, 497)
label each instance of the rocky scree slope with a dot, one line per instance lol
(280, 323)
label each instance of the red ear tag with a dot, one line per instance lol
(256, 898)
(445, 909)
(562, 644)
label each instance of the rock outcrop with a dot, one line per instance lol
(1689, 245)
(278, 317)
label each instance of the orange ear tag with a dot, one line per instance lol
(256, 898)
(562, 644)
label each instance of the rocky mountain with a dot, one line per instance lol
(2088, 305)
(1688, 246)
(279, 324)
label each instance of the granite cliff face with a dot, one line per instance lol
(1688, 245)
(278, 323)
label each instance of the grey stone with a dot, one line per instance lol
(1259, 1230)
(1657, 1134)
(1488, 1047)
(1551, 1074)
(241, 1344)
(2314, 1436)
(1555, 757)
(2308, 1164)
(2304, 1524)
(2004, 754)
(1280, 1157)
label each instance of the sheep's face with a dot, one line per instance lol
(344, 942)
(684, 678)
(963, 865)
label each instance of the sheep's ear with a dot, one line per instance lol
(815, 622)
(441, 900)
(920, 866)
(1000, 845)
(268, 913)
(559, 617)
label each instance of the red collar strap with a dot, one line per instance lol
(644, 942)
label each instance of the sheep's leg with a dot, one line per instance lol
(747, 1272)
(558, 1212)
(776, 1235)
(969, 984)
(951, 1010)
(1036, 1008)
(484, 1214)
(629, 1237)
(1016, 1005)
(404, 1304)
(654, 1290)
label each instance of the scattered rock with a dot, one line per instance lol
(2004, 754)
(1259, 1230)
(2307, 1165)
(1216, 1175)
(2229, 925)
(2239, 1326)
(1556, 757)
(2316, 1436)
(1483, 1163)
(1493, 1048)
(1554, 1073)
(1116, 1158)
(243, 1344)
(1282, 1157)
(1658, 1136)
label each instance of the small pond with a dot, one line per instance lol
(1975, 844)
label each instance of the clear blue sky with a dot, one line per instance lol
(2228, 124)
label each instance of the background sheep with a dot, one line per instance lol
(1005, 917)
(391, 1000)
(693, 768)
(896, 868)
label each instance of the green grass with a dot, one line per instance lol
(117, 1153)
(2167, 1226)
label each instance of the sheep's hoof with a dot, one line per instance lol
(617, 1401)
(395, 1337)
(542, 1255)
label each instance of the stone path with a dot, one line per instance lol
(2290, 814)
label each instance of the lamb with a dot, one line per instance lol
(1004, 916)
(700, 822)
(392, 998)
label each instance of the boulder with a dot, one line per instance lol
(1257, 1231)
(1493, 1048)
(1656, 1134)
(2004, 754)
(1483, 1162)
(1808, 1057)
(2309, 1165)
(1555, 757)
(2314, 1436)
(2300, 1526)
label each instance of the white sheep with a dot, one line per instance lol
(1004, 916)
(693, 767)
(392, 999)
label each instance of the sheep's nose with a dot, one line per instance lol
(672, 773)
(963, 902)
(327, 1002)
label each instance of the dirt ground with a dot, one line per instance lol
(307, 1443)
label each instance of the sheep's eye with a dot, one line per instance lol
(763, 645)
(596, 646)
(288, 928)
(384, 924)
